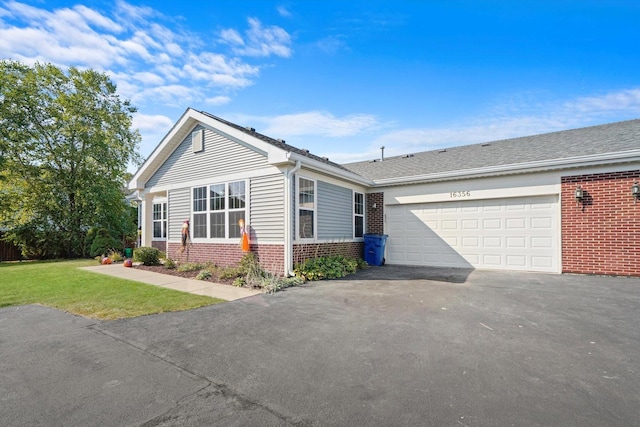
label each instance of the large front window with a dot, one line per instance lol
(217, 209)
(160, 220)
(306, 208)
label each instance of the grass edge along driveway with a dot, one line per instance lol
(62, 285)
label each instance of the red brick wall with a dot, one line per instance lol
(375, 217)
(271, 257)
(159, 244)
(601, 235)
(303, 252)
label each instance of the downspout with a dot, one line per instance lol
(288, 221)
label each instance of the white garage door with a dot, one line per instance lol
(507, 234)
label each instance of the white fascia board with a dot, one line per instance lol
(537, 166)
(330, 170)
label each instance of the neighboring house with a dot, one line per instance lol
(500, 205)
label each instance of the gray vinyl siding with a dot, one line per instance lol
(335, 212)
(220, 156)
(179, 210)
(267, 209)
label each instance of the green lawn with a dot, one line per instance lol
(60, 284)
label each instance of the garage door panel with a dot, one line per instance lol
(518, 234)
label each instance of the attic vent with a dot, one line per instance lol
(197, 140)
(326, 159)
(408, 156)
(280, 140)
(486, 144)
(305, 150)
(444, 150)
(250, 129)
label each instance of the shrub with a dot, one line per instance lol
(115, 256)
(102, 243)
(230, 273)
(329, 267)
(169, 264)
(190, 266)
(147, 255)
(203, 275)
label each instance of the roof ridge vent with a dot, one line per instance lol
(408, 156)
(326, 159)
(305, 150)
(280, 140)
(250, 129)
(486, 144)
(444, 150)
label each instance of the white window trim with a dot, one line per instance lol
(364, 210)
(207, 212)
(314, 210)
(164, 223)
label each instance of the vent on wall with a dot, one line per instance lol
(197, 140)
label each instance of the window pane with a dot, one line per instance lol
(236, 195)
(306, 224)
(157, 229)
(217, 197)
(306, 194)
(157, 211)
(164, 229)
(164, 211)
(217, 224)
(200, 199)
(234, 217)
(199, 226)
(358, 207)
(359, 226)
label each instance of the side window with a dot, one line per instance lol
(237, 203)
(306, 208)
(358, 214)
(199, 226)
(160, 220)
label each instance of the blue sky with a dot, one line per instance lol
(342, 78)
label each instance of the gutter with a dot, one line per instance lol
(288, 220)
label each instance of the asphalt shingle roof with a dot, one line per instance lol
(609, 138)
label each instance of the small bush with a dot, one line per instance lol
(103, 243)
(115, 256)
(239, 282)
(203, 275)
(147, 255)
(190, 266)
(230, 273)
(169, 264)
(329, 267)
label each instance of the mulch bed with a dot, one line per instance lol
(185, 274)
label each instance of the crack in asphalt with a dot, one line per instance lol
(225, 391)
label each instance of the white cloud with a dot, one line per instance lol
(259, 41)
(151, 62)
(319, 124)
(284, 12)
(146, 122)
(218, 100)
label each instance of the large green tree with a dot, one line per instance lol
(65, 144)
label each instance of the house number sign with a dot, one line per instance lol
(459, 194)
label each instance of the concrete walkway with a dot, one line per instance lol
(198, 287)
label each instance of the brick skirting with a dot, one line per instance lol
(302, 252)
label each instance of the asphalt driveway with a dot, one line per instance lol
(389, 346)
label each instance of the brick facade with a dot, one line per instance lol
(601, 235)
(375, 217)
(271, 257)
(160, 245)
(303, 252)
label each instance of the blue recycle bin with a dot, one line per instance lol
(374, 248)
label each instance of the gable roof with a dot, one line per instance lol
(277, 151)
(596, 143)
